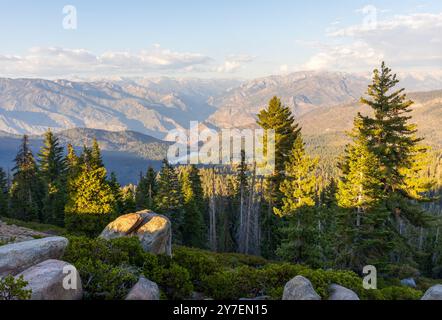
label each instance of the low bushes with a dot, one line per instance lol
(12, 288)
(110, 268)
(270, 279)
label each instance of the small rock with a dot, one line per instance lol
(144, 289)
(409, 282)
(16, 257)
(48, 280)
(338, 292)
(434, 293)
(299, 288)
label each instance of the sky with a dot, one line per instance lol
(216, 38)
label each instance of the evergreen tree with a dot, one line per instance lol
(26, 190)
(53, 175)
(91, 201)
(96, 160)
(128, 196)
(146, 190)
(279, 118)
(117, 192)
(4, 198)
(72, 162)
(379, 188)
(193, 230)
(301, 242)
(168, 199)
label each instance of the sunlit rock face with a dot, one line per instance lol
(153, 230)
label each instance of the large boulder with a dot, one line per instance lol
(144, 289)
(16, 257)
(434, 293)
(53, 280)
(153, 230)
(338, 292)
(299, 288)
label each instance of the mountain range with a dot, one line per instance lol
(131, 117)
(156, 106)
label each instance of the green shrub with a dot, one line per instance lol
(400, 293)
(14, 288)
(86, 224)
(104, 281)
(176, 283)
(201, 264)
(233, 260)
(269, 280)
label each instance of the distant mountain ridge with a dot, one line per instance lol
(156, 106)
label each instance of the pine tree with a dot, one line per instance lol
(168, 199)
(26, 190)
(72, 162)
(117, 192)
(96, 160)
(128, 196)
(91, 201)
(53, 175)
(279, 118)
(193, 230)
(146, 190)
(302, 232)
(379, 188)
(4, 198)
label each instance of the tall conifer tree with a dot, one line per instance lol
(26, 190)
(53, 175)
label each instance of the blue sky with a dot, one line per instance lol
(211, 38)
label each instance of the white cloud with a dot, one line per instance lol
(407, 41)
(234, 63)
(55, 61)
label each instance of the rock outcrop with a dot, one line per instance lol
(299, 288)
(153, 230)
(53, 280)
(433, 293)
(144, 289)
(338, 292)
(11, 233)
(16, 257)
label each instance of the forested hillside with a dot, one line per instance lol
(368, 199)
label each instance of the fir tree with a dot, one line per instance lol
(193, 230)
(128, 197)
(279, 118)
(72, 162)
(379, 187)
(146, 190)
(168, 199)
(53, 175)
(26, 190)
(91, 201)
(96, 160)
(301, 232)
(117, 192)
(4, 198)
